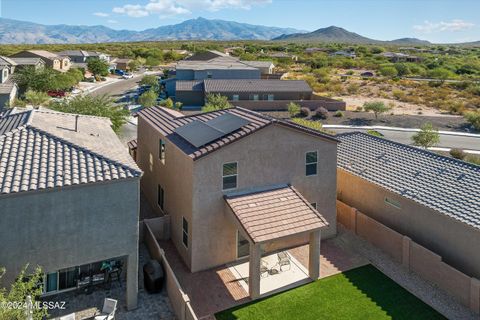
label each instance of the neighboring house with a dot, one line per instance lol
(79, 58)
(8, 89)
(254, 94)
(347, 54)
(193, 93)
(430, 198)
(36, 63)
(51, 60)
(283, 55)
(399, 57)
(265, 67)
(206, 55)
(122, 63)
(212, 172)
(69, 199)
(315, 49)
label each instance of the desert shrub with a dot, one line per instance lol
(474, 119)
(293, 109)
(359, 109)
(374, 133)
(398, 94)
(475, 90)
(338, 114)
(353, 88)
(321, 113)
(316, 125)
(457, 154)
(473, 159)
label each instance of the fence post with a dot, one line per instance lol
(353, 219)
(406, 252)
(475, 295)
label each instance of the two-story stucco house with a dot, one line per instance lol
(69, 200)
(234, 176)
(52, 60)
(8, 89)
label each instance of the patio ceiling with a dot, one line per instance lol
(274, 213)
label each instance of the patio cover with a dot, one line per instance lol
(274, 213)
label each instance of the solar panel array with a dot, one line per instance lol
(200, 133)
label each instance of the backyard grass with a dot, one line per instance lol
(361, 293)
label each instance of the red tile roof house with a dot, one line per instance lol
(69, 199)
(233, 175)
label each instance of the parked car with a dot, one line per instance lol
(127, 76)
(119, 72)
(90, 79)
(56, 93)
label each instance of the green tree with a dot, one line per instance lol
(388, 71)
(101, 106)
(293, 109)
(37, 80)
(148, 98)
(24, 286)
(427, 136)
(441, 73)
(168, 103)
(216, 102)
(402, 69)
(98, 67)
(178, 105)
(474, 119)
(149, 80)
(377, 107)
(36, 98)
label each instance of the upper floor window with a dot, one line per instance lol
(254, 97)
(160, 197)
(209, 75)
(311, 163)
(229, 176)
(161, 150)
(270, 97)
(235, 97)
(185, 232)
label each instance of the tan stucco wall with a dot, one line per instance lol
(175, 177)
(274, 155)
(456, 242)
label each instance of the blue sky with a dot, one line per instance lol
(433, 20)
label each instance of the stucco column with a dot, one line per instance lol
(132, 281)
(314, 255)
(254, 271)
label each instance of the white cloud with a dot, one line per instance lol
(132, 10)
(101, 14)
(167, 8)
(111, 21)
(453, 25)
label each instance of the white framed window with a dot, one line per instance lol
(161, 150)
(185, 232)
(254, 97)
(270, 97)
(160, 197)
(311, 161)
(235, 97)
(229, 175)
(392, 202)
(314, 205)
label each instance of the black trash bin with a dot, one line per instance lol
(153, 276)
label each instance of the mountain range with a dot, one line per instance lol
(340, 35)
(23, 32)
(20, 32)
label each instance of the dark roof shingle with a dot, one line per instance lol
(256, 85)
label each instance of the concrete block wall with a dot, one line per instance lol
(412, 256)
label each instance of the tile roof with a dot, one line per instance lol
(166, 122)
(44, 54)
(41, 149)
(223, 63)
(7, 87)
(446, 185)
(258, 64)
(26, 61)
(189, 85)
(275, 213)
(7, 61)
(255, 85)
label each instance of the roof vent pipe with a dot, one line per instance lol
(76, 123)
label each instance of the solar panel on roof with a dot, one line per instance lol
(227, 122)
(198, 133)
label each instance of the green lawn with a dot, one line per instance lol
(362, 293)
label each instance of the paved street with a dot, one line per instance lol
(446, 141)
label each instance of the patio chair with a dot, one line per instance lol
(108, 310)
(70, 316)
(264, 268)
(283, 260)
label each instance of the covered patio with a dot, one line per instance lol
(272, 219)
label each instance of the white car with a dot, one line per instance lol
(127, 76)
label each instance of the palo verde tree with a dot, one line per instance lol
(216, 102)
(427, 137)
(377, 107)
(148, 98)
(98, 67)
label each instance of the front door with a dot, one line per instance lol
(243, 247)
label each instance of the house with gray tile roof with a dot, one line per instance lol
(431, 198)
(214, 172)
(37, 63)
(69, 191)
(52, 60)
